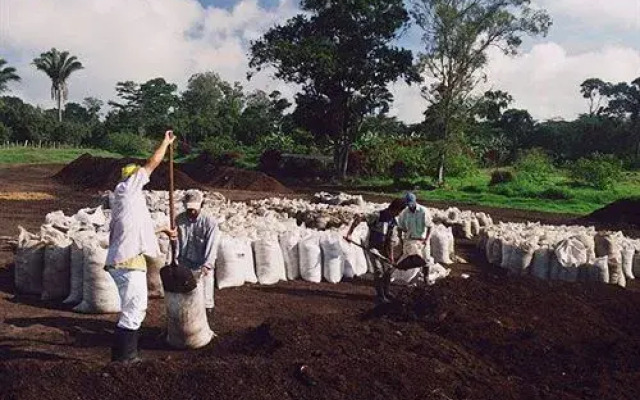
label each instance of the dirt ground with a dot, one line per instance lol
(489, 336)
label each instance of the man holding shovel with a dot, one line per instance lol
(132, 236)
(381, 226)
(197, 248)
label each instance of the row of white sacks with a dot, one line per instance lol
(466, 224)
(568, 253)
(65, 260)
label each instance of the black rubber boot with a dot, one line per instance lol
(125, 348)
(386, 287)
(210, 317)
(381, 298)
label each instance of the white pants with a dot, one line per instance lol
(132, 288)
(206, 281)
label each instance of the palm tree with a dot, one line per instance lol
(58, 66)
(7, 74)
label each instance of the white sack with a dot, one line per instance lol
(570, 254)
(310, 259)
(231, 269)
(187, 325)
(77, 266)
(442, 244)
(29, 263)
(289, 244)
(628, 253)
(269, 261)
(332, 258)
(541, 263)
(155, 290)
(99, 293)
(56, 276)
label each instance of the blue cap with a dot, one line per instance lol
(410, 199)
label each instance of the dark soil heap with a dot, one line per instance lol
(625, 212)
(205, 170)
(481, 338)
(103, 173)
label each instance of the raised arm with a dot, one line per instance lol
(158, 155)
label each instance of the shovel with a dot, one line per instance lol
(409, 262)
(175, 278)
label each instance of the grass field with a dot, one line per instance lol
(557, 195)
(29, 155)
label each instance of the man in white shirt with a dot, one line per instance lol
(131, 237)
(415, 224)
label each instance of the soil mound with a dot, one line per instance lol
(103, 173)
(625, 211)
(205, 170)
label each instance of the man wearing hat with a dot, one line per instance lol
(131, 237)
(415, 224)
(197, 235)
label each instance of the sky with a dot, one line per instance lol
(138, 40)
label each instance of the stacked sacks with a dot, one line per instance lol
(569, 253)
(259, 242)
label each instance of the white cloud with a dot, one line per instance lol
(545, 81)
(619, 14)
(137, 40)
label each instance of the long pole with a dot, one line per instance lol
(172, 211)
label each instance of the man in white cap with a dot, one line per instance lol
(415, 224)
(197, 235)
(131, 237)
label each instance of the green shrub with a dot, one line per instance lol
(534, 166)
(601, 171)
(460, 165)
(471, 189)
(556, 193)
(277, 141)
(516, 189)
(500, 176)
(128, 144)
(218, 145)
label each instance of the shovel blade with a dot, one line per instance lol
(411, 262)
(177, 279)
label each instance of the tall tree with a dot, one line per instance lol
(594, 90)
(7, 74)
(211, 106)
(58, 65)
(147, 107)
(624, 103)
(340, 53)
(457, 35)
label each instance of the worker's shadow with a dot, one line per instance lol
(79, 332)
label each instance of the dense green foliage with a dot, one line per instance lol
(343, 56)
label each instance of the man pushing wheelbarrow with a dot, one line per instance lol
(379, 248)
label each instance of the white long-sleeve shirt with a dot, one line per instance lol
(131, 229)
